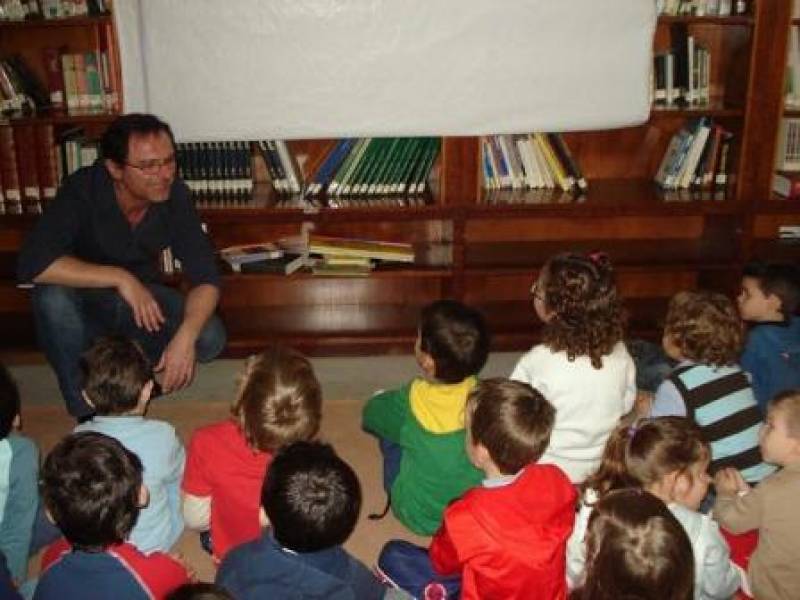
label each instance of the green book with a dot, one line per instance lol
(347, 179)
(398, 176)
(411, 164)
(344, 168)
(425, 164)
(386, 163)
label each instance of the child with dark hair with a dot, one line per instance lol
(19, 472)
(279, 401)
(636, 550)
(668, 458)
(769, 299)
(703, 334)
(582, 366)
(505, 538)
(771, 508)
(310, 503)
(118, 383)
(200, 591)
(93, 490)
(420, 426)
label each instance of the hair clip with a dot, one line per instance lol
(633, 428)
(598, 258)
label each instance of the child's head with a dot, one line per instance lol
(9, 402)
(637, 550)
(453, 341)
(780, 435)
(92, 488)
(703, 327)
(665, 455)
(310, 497)
(576, 297)
(770, 291)
(117, 376)
(509, 423)
(279, 399)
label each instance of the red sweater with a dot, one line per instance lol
(509, 542)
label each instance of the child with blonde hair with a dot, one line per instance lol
(637, 550)
(582, 366)
(668, 458)
(703, 333)
(279, 401)
(771, 508)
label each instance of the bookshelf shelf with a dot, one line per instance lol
(61, 118)
(28, 24)
(485, 247)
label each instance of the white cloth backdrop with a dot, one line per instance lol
(247, 69)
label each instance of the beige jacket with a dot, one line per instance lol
(774, 509)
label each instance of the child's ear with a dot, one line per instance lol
(87, 399)
(427, 364)
(16, 424)
(49, 516)
(144, 496)
(263, 519)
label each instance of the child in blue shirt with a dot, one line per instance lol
(19, 473)
(769, 297)
(118, 383)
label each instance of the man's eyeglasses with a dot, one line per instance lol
(152, 167)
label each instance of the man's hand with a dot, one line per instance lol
(177, 362)
(146, 311)
(729, 482)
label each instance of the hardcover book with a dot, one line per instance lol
(392, 251)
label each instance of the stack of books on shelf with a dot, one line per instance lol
(681, 75)
(79, 83)
(529, 162)
(33, 161)
(20, 10)
(344, 257)
(700, 8)
(786, 181)
(697, 157)
(374, 171)
(215, 170)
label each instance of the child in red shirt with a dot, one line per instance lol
(507, 537)
(279, 401)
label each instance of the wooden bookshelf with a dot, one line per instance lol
(485, 248)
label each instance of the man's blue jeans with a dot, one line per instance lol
(68, 319)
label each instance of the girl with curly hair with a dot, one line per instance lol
(703, 333)
(582, 366)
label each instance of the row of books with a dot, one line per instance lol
(530, 161)
(33, 162)
(700, 8)
(681, 76)
(215, 169)
(697, 157)
(788, 149)
(372, 167)
(20, 10)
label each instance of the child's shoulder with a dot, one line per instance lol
(21, 445)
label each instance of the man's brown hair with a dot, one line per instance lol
(279, 400)
(114, 372)
(512, 420)
(705, 327)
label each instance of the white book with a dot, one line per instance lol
(542, 164)
(690, 63)
(512, 160)
(531, 176)
(693, 157)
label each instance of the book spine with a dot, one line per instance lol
(8, 168)
(25, 147)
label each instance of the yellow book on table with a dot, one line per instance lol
(318, 244)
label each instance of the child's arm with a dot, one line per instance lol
(443, 553)
(22, 504)
(668, 401)
(721, 577)
(385, 413)
(737, 507)
(196, 486)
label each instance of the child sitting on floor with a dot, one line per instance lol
(420, 426)
(769, 297)
(637, 550)
(19, 473)
(582, 366)
(279, 401)
(703, 332)
(505, 538)
(93, 489)
(772, 506)
(310, 504)
(117, 384)
(668, 458)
